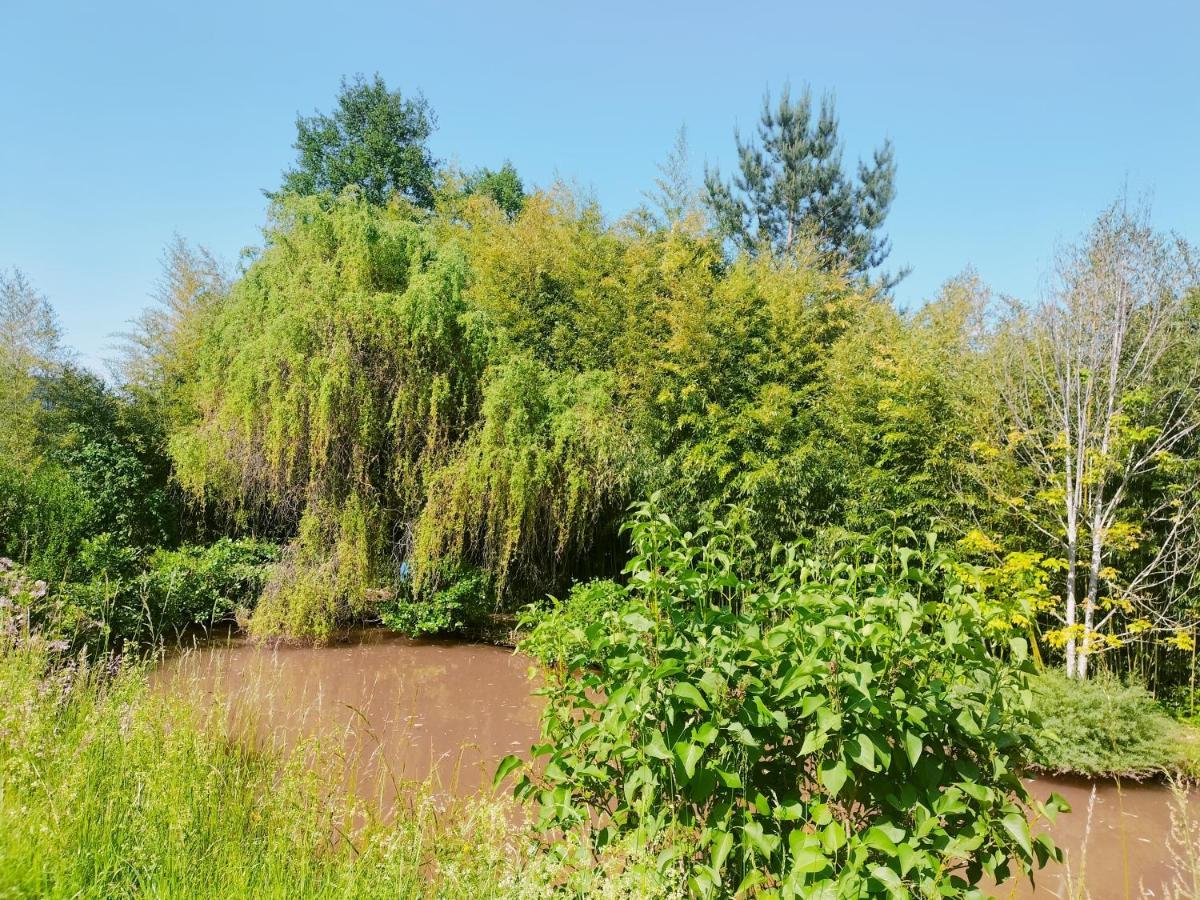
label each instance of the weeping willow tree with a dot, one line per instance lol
(351, 392)
(339, 372)
(472, 389)
(523, 496)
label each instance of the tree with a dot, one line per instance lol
(793, 182)
(159, 352)
(1100, 399)
(29, 347)
(374, 141)
(674, 196)
(503, 186)
(114, 457)
(892, 411)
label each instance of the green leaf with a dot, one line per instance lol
(813, 741)
(1015, 825)
(691, 694)
(878, 838)
(807, 860)
(913, 747)
(657, 747)
(833, 837)
(766, 844)
(665, 668)
(890, 880)
(1055, 805)
(792, 682)
(637, 622)
(722, 843)
(688, 755)
(506, 767)
(729, 779)
(865, 754)
(811, 705)
(833, 776)
(828, 720)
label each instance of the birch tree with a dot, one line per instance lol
(1099, 403)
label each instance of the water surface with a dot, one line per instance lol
(403, 709)
(400, 709)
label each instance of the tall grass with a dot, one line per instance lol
(108, 789)
(112, 788)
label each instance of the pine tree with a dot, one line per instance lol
(792, 182)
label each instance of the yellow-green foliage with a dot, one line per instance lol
(470, 388)
(554, 280)
(728, 381)
(897, 403)
(325, 575)
(339, 363)
(551, 455)
(352, 388)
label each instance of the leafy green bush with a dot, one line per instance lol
(1103, 726)
(44, 516)
(557, 633)
(455, 609)
(204, 585)
(134, 596)
(819, 728)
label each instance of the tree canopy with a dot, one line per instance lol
(375, 141)
(793, 182)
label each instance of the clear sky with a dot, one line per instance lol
(1014, 123)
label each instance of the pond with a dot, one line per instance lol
(399, 709)
(407, 710)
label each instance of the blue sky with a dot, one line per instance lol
(1014, 123)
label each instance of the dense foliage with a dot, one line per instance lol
(375, 142)
(833, 727)
(430, 398)
(1106, 727)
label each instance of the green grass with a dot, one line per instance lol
(108, 789)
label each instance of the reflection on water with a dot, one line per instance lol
(403, 709)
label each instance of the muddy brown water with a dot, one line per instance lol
(413, 710)
(400, 710)
(1118, 835)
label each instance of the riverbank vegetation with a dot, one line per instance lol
(111, 789)
(818, 727)
(432, 397)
